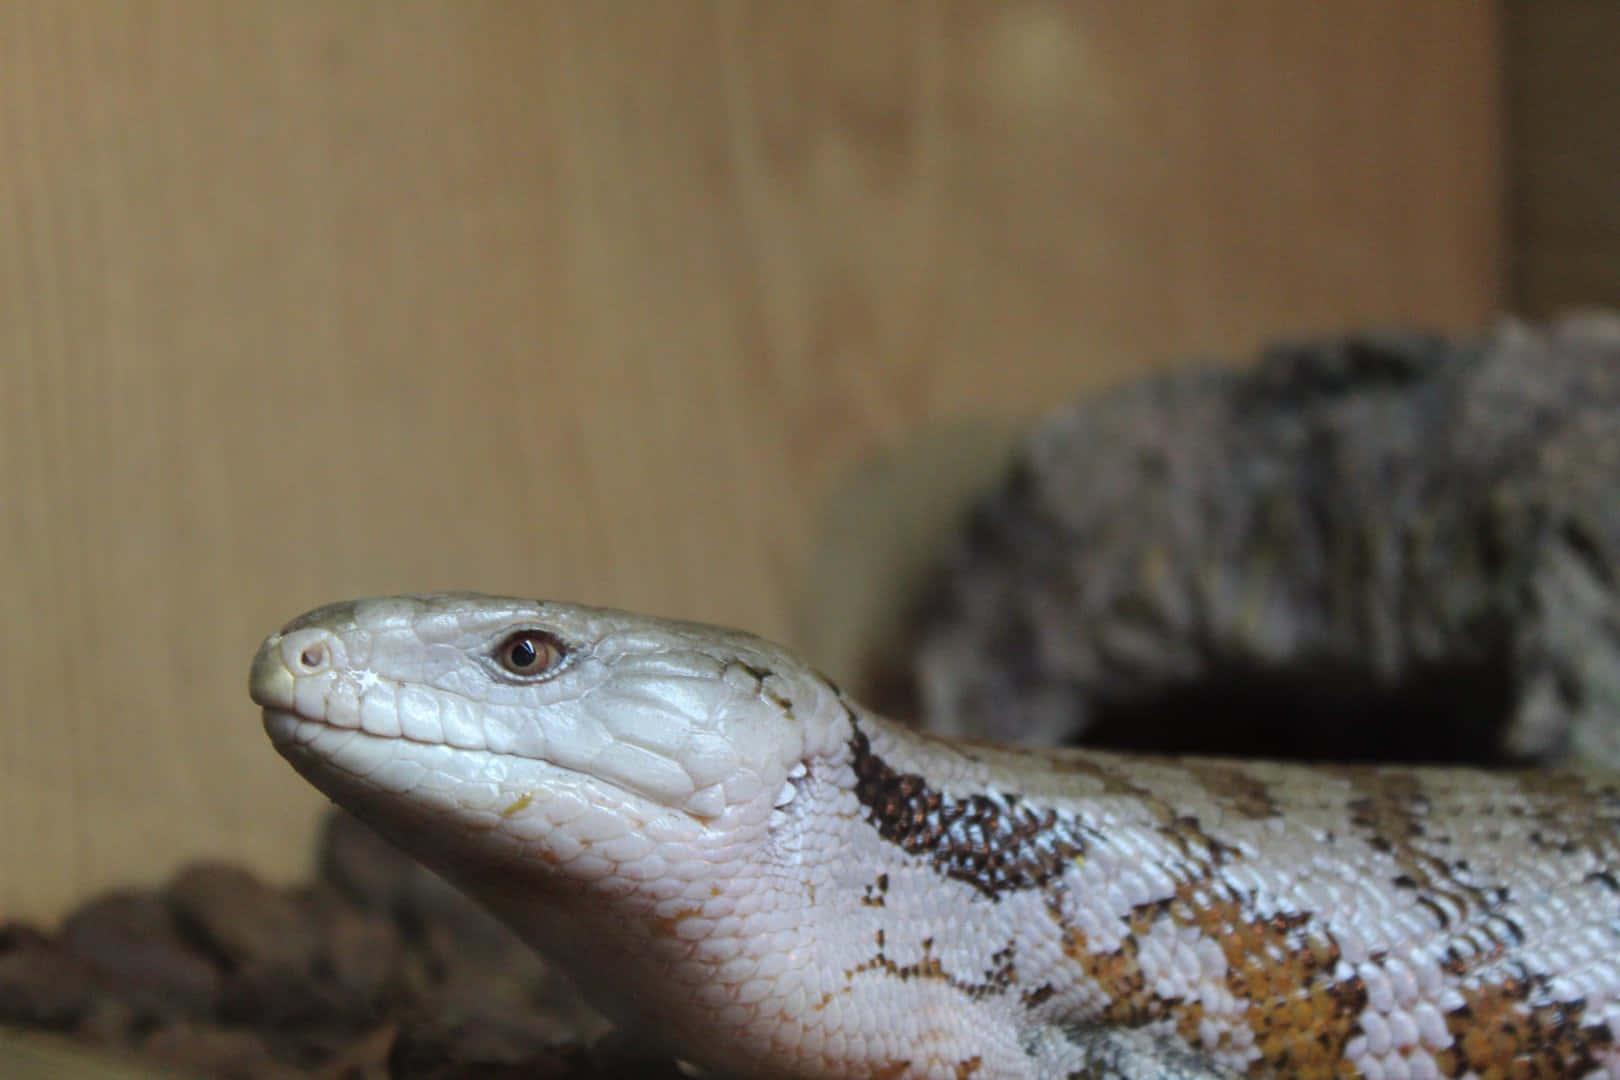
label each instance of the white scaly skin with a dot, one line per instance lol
(764, 878)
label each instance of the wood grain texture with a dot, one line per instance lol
(303, 300)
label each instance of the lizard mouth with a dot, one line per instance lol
(290, 729)
(436, 777)
(282, 725)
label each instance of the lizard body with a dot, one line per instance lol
(765, 878)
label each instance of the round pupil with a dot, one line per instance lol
(523, 653)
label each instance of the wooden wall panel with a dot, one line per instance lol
(300, 300)
(1564, 154)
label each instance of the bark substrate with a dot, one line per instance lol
(375, 969)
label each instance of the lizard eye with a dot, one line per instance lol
(529, 652)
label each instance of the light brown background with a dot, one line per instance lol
(304, 300)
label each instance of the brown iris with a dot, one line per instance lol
(529, 652)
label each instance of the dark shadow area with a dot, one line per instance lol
(1445, 713)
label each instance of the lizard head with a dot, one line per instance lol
(492, 736)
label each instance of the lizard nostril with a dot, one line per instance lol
(310, 651)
